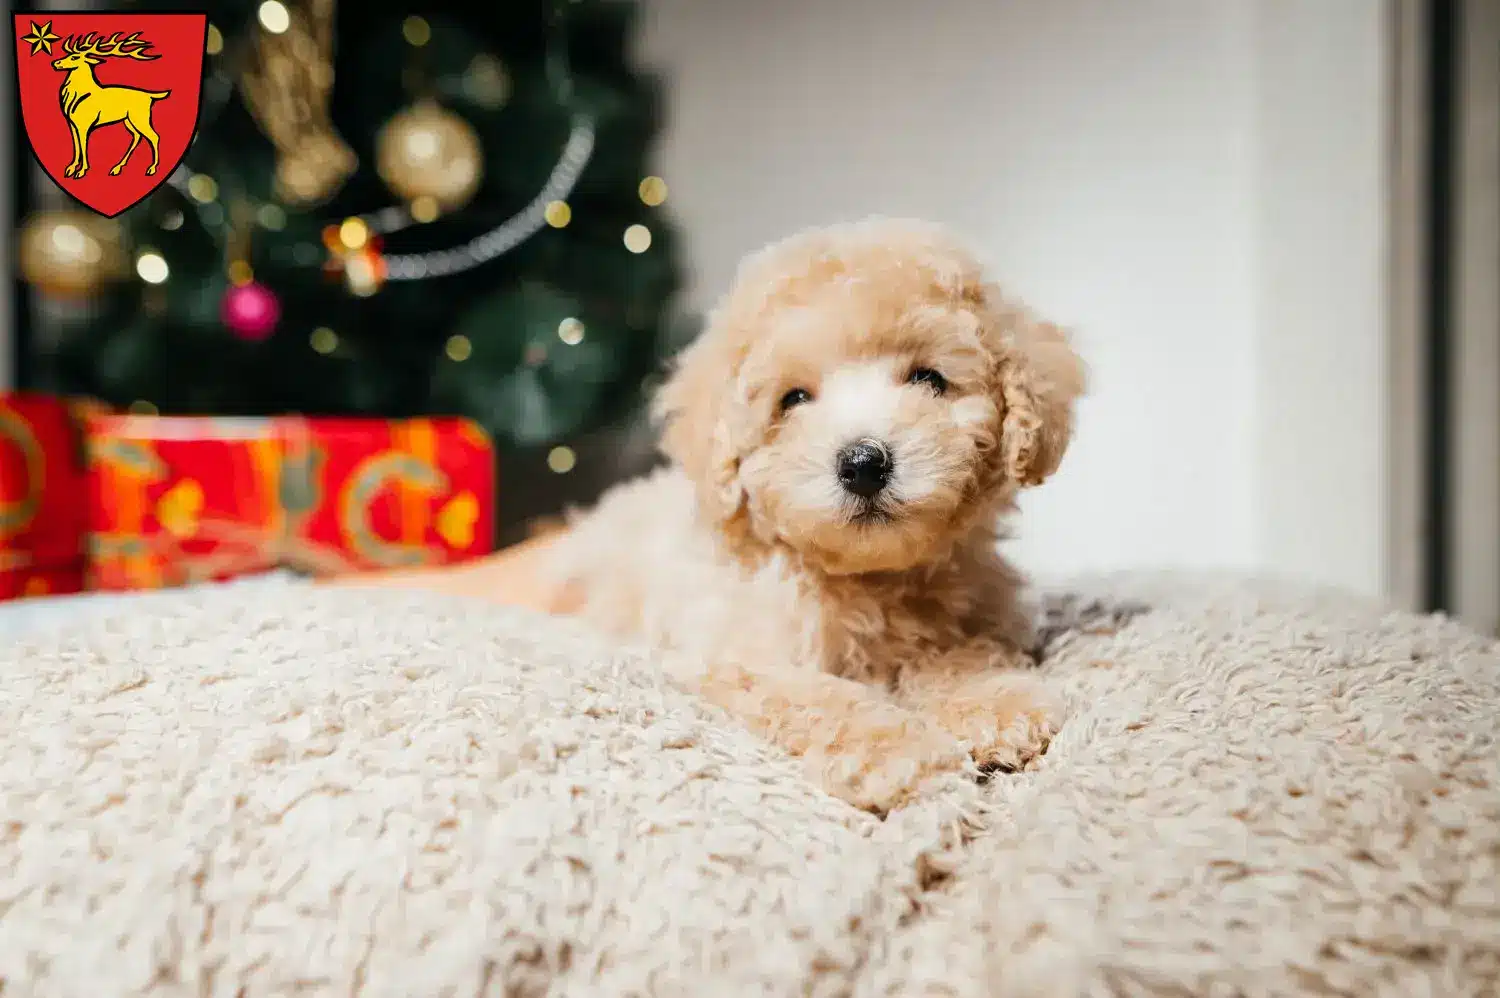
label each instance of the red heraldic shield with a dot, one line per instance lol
(110, 101)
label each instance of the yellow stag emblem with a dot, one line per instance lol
(88, 104)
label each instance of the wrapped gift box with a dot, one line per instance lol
(179, 500)
(42, 508)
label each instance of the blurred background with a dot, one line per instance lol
(1274, 226)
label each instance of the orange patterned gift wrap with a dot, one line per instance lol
(41, 497)
(178, 500)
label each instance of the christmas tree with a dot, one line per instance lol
(391, 209)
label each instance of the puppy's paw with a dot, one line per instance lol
(1005, 722)
(883, 760)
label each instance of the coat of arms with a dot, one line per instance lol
(109, 101)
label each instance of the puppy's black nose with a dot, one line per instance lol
(864, 468)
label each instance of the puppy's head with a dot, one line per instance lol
(862, 397)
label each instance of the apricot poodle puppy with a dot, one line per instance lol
(820, 560)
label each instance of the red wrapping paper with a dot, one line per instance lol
(42, 509)
(178, 500)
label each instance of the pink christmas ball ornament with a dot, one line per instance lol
(250, 311)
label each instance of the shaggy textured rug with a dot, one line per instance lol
(1257, 791)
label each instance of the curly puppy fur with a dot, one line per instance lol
(870, 629)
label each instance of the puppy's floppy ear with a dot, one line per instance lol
(696, 408)
(1041, 378)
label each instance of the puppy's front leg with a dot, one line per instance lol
(1004, 715)
(857, 744)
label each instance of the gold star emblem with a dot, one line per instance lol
(40, 38)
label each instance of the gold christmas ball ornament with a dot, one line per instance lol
(428, 151)
(71, 254)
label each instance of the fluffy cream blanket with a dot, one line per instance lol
(1258, 791)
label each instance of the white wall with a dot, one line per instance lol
(1322, 204)
(1475, 529)
(1112, 161)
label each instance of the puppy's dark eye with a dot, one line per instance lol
(794, 398)
(927, 376)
